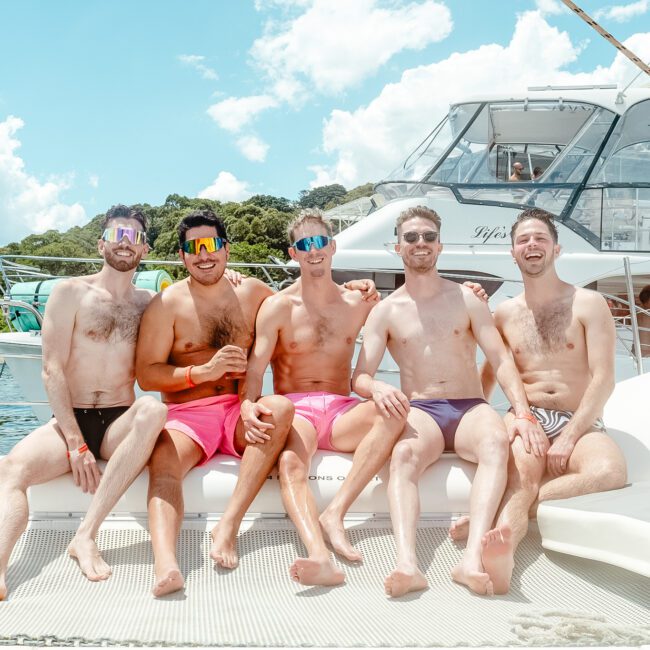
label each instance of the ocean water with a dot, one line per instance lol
(15, 421)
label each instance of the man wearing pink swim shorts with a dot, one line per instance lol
(307, 332)
(192, 347)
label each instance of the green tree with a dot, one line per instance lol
(321, 196)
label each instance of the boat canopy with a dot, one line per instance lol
(582, 162)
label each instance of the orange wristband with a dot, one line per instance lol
(188, 377)
(77, 452)
(528, 416)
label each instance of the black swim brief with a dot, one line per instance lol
(95, 422)
(447, 414)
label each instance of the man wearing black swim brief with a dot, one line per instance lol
(89, 336)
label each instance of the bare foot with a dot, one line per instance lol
(478, 581)
(167, 582)
(498, 557)
(402, 581)
(316, 572)
(334, 533)
(459, 530)
(3, 587)
(224, 546)
(91, 563)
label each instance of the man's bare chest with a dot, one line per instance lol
(104, 321)
(226, 324)
(333, 330)
(545, 332)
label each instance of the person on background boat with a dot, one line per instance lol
(308, 332)
(89, 336)
(431, 327)
(537, 173)
(563, 342)
(193, 345)
(517, 170)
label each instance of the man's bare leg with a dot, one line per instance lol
(421, 445)
(174, 455)
(37, 458)
(481, 438)
(317, 568)
(499, 544)
(596, 465)
(127, 446)
(373, 436)
(256, 463)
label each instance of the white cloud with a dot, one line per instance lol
(550, 7)
(371, 141)
(253, 148)
(226, 187)
(234, 113)
(622, 13)
(93, 181)
(28, 205)
(360, 37)
(196, 61)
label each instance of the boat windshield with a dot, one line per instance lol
(516, 152)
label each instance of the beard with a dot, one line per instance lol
(420, 264)
(120, 263)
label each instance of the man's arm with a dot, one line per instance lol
(600, 337)
(497, 355)
(488, 378)
(57, 331)
(268, 323)
(155, 341)
(389, 399)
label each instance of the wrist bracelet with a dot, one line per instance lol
(527, 416)
(188, 377)
(75, 453)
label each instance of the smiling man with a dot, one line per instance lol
(562, 339)
(308, 332)
(431, 327)
(89, 337)
(193, 348)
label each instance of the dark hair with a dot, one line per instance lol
(644, 296)
(418, 211)
(120, 211)
(308, 215)
(537, 171)
(204, 217)
(539, 214)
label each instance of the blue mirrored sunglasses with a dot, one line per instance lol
(115, 235)
(211, 244)
(317, 241)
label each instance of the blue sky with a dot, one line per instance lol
(123, 102)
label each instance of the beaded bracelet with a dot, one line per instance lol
(188, 377)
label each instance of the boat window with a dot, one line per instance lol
(627, 157)
(618, 216)
(557, 138)
(436, 144)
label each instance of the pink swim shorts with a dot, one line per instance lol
(322, 410)
(209, 421)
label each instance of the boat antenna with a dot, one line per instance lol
(607, 36)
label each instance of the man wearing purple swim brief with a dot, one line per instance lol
(431, 327)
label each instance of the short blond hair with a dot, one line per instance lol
(309, 215)
(414, 213)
